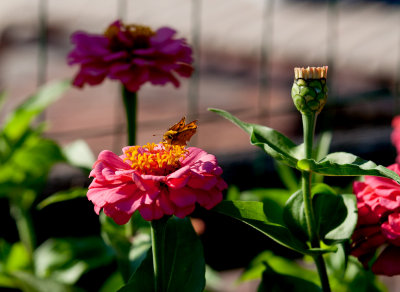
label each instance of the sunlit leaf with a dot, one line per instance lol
(113, 283)
(17, 259)
(62, 196)
(32, 283)
(346, 164)
(273, 199)
(20, 119)
(79, 154)
(271, 141)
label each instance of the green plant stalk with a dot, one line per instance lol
(130, 103)
(25, 229)
(309, 122)
(158, 228)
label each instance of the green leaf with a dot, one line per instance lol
(294, 216)
(345, 230)
(143, 279)
(29, 165)
(184, 262)
(272, 142)
(67, 259)
(323, 145)
(79, 154)
(32, 283)
(354, 278)
(17, 259)
(346, 164)
(116, 236)
(279, 264)
(129, 255)
(275, 282)
(233, 193)
(335, 215)
(322, 150)
(287, 176)
(19, 120)
(63, 196)
(184, 257)
(274, 201)
(253, 214)
(113, 283)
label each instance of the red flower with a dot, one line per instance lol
(155, 179)
(378, 202)
(133, 54)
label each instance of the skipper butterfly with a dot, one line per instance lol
(180, 133)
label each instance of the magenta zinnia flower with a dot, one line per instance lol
(378, 226)
(155, 179)
(133, 54)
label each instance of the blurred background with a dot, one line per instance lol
(245, 52)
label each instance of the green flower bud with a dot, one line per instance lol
(309, 91)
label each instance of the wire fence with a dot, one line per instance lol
(258, 34)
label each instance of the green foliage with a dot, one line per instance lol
(79, 154)
(31, 283)
(346, 164)
(129, 254)
(62, 196)
(272, 142)
(67, 259)
(25, 156)
(273, 281)
(184, 265)
(19, 120)
(336, 215)
(255, 215)
(281, 148)
(280, 265)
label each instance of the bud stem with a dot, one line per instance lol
(309, 122)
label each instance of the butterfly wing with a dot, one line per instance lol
(180, 134)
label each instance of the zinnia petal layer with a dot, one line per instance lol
(378, 202)
(131, 54)
(120, 190)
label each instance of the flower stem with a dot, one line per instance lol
(25, 229)
(130, 103)
(158, 228)
(309, 129)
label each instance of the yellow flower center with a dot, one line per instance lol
(139, 34)
(139, 31)
(156, 159)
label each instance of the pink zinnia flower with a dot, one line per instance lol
(378, 202)
(155, 179)
(133, 54)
